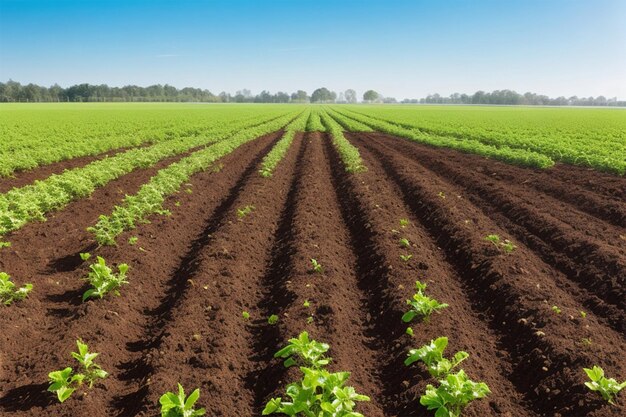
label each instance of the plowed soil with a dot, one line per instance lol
(193, 273)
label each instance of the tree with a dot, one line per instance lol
(370, 96)
(350, 96)
(300, 97)
(323, 95)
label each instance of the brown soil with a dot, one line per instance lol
(194, 272)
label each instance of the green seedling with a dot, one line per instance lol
(409, 331)
(586, 341)
(404, 242)
(432, 356)
(495, 239)
(306, 304)
(404, 223)
(85, 256)
(189, 191)
(133, 240)
(556, 309)
(608, 388)
(583, 314)
(454, 393)
(245, 315)
(9, 292)
(103, 280)
(506, 246)
(406, 258)
(177, 204)
(5, 244)
(243, 212)
(309, 320)
(316, 266)
(421, 305)
(177, 405)
(304, 351)
(273, 319)
(442, 195)
(65, 382)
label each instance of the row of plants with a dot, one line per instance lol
(150, 197)
(504, 153)
(32, 202)
(314, 123)
(278, 152)
(348, 153)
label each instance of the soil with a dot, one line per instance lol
(193, 273)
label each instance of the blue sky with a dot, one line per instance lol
(399, 48)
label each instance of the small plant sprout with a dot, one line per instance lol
(608, 388)
(243, 212)
(432, 356)
(309, 320)
(556, 309)
(316, 266)
(5, 244)
(506, 246)
(245, 315)
(404, 223)
(306, 304)
(177, 204)
(273, 319)
(85, 256)
(409, 331)
(586, 341)
(103, 280)
(442, 195)
(65, 382)
(189, 191)
(406, 258)
(177, 405)
(583, 314)
(133, 240)
(421, 305)
(404, 242)
(453, 394)
(9, 292)
(304, 351)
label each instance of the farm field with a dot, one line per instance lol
(219, 210)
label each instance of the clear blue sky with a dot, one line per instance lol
(399, 48)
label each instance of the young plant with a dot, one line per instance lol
(442, 195)
(421, 305)
(103, 280)
(85, 256)
(495, 239)
(453, 394)
(556, 309)
(406, 258)
(133, 240)
(304, 351)
(5, 244)
(608, 388)
(316, 266)
(432, 356)
(177, 405)
(583, 314)
(245, 315)
(409, 331)
(65, 382)
(507, 246)
(404, 223)
(306, 304)
(320, 393)
(273, 319)
(404, 242)
(9, 292)
(243, 212)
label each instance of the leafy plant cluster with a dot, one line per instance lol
(149, 199)
(455, 391)
(348, 153)
(314, 123)
(244, 211)
(103, 280)
(66, 381)
(20, 206)
(320, 393)
(421, 305)
(9, 292)
(505, 246)
(278, 152)
(178, 405)
(608, 388)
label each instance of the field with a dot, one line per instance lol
(219, 210)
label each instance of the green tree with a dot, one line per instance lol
(370, 96)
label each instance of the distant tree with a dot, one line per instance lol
(370, 96)
(350, 96)
(323, 95)
(300, 96)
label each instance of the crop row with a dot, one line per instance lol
(349, 153)
(271, 160)
(150, 197)
(591, 137)
(32, 202)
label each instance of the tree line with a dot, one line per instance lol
(13, 91)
